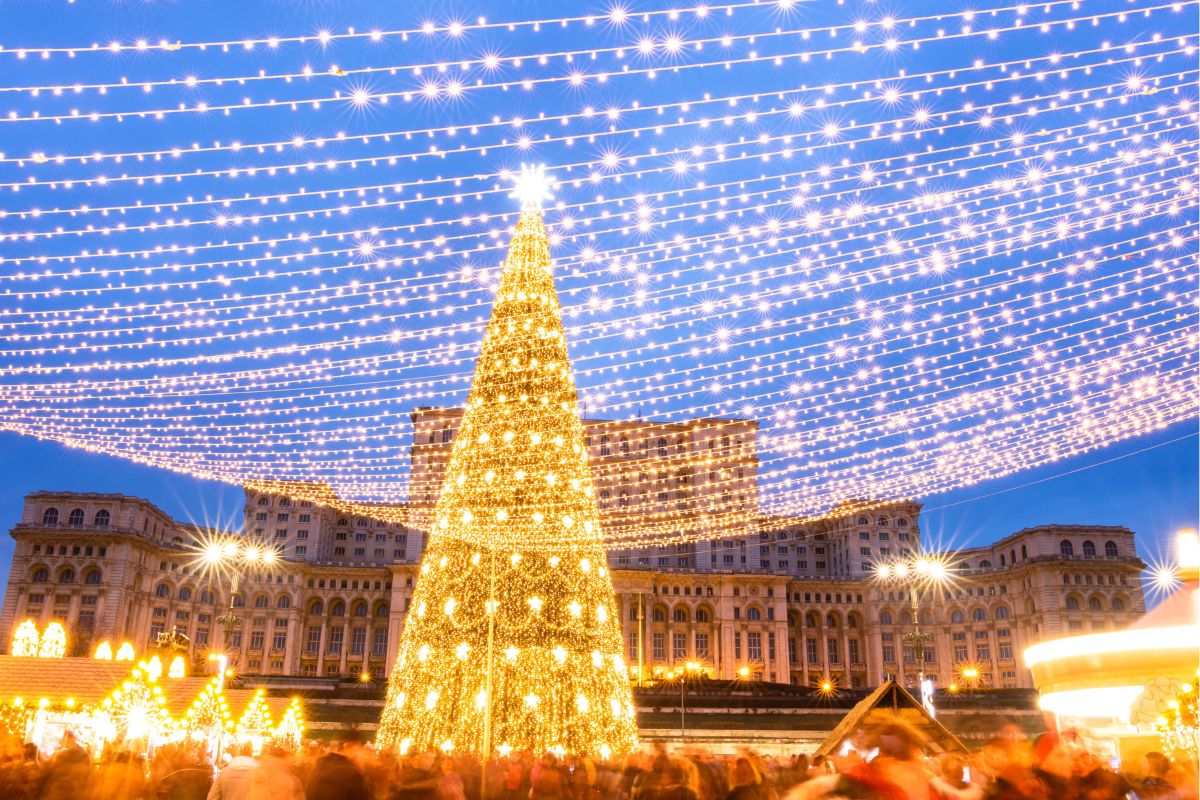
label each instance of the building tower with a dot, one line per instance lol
(513, 639)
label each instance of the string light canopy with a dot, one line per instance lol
(920, 250)
(514, 641)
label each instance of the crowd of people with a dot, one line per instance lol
(888, 763)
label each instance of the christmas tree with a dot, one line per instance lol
(513, 638)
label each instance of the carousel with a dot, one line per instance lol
(1133, 690)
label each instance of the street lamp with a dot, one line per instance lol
(694, 668)
(229, 557)
(929, 571)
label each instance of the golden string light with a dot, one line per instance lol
(890, 271)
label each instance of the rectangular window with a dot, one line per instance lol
(889, 654)
(855, 658)
(702, 645)
(336, 637)
(633, 645)
(930, 655)
(835, 656)
(792, 650)
(379, 646)
(771, 646)
(313, 642)
(737, 646)
(358, 641)
(306, 518)
(1006, 651)
(678, 646)
(235, 640)
(659, 646)
(302, 533)
(810, 651)
(754, 645)
(983, 652)
(960, 652)
(201, 636)
(301, 550)
(360, 551)
(279, 641)
(256, 640)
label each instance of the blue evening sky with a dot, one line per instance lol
(952, 256)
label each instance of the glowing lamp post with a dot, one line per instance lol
(690, 668)
(916, 575)
(234, 559)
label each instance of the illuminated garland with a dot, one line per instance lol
(1179, 725)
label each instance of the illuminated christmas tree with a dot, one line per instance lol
(513, 638)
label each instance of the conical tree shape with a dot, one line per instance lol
(516, 521)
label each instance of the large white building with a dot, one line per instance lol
(775, 598)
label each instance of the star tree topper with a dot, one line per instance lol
(532, 185)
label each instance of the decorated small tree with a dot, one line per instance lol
(25, 640)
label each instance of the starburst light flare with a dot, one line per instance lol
(513, 638)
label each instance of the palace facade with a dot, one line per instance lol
(756, 596)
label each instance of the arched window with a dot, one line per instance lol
(681, 615)
(337, 609)
(957, 617)
(901, 523)
(852, 621)
(284, 601)
(316, 608)
(76, 517)
(66, 576)
(863, 521)
(239, 601)
(753, 614)
(1072, 603)
(885, 618)
(381, 610)
(1089, 548)
(881, 522)
(262, 601)
(102, 518)
(342, 521)
(162, 590)
(659, 615)
(985, 564)
(50, 516)
(702, 615)
(1094, 604)
(926, 618)
(1118, 604)
(360, 609)
(1066, 548)
(206, 597)
(831, 621)
(1110, 549)
(40, 575)
(979, 615)
(285, 501)
(92, 577)
(1002, 612)
(811, 620)
(1002, 559)
(262, 501)
(185, 593)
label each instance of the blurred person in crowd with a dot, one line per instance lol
(1155, 785)
(69, 773)
(274, 779)
(746, 782)
(235, 778)
(335, 777)
(121, 777)
(546, 780)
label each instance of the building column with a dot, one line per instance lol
(321, 645)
